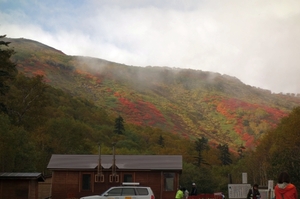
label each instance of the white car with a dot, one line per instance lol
(125, 192)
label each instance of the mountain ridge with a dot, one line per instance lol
(191, 103)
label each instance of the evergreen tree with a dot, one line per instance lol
(200, 146)
(7, 71)
(224, 154)
(119, 125)
(161, 141)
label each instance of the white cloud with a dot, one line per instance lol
(255, 41)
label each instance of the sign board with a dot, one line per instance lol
(270, 184)
(244, 178)
(238, 191)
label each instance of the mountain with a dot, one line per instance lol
(190, 103)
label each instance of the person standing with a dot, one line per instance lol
(284, 189)
(223, 196)
(254, 192)
(186, 194)
(179, 193)
(194, 190)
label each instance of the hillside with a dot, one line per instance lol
(190, 103)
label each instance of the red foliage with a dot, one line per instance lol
(140, 112)
(87, 75)
(99, 81)
(229, 108)
(248, 138)
(39, 72)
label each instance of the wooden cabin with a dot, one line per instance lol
(19, 185)
(74, 176)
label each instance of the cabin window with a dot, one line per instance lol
(86, 182)
(169, 179)
(113, 178)
(99, 178)
(127, 178)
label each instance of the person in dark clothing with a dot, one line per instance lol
(253, 193)
(194, 190)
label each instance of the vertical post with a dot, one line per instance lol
(229, 179)
(99, 159)
(114, 161)
(270, 188)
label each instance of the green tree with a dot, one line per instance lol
(26, 99)
(279, 149)
(7, 71)
(17, 150)
(224, 154)
(66, 135)
(201, 144)
(161, 141)
(201, 176)
(119, 125)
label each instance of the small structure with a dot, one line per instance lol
(45, 188)
(19, 185)
(74, 176)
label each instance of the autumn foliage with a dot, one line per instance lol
(190, 103)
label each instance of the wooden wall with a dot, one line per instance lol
(18, 189)
(67, 184)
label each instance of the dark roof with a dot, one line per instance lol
(30, 176)
(137, 162)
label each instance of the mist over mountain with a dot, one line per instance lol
(190, 103)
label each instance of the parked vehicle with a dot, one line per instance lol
(125, 192)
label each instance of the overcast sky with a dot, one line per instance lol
(257, 41)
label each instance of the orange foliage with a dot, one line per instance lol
(78, 71)
(229, 108)
(39, 72)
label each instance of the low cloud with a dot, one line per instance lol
(255, 41)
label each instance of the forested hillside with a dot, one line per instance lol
(190, 103)
(38, 120)
(51, 103)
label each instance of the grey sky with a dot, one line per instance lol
(256, 41)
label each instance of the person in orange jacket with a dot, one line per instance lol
(284, 189)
